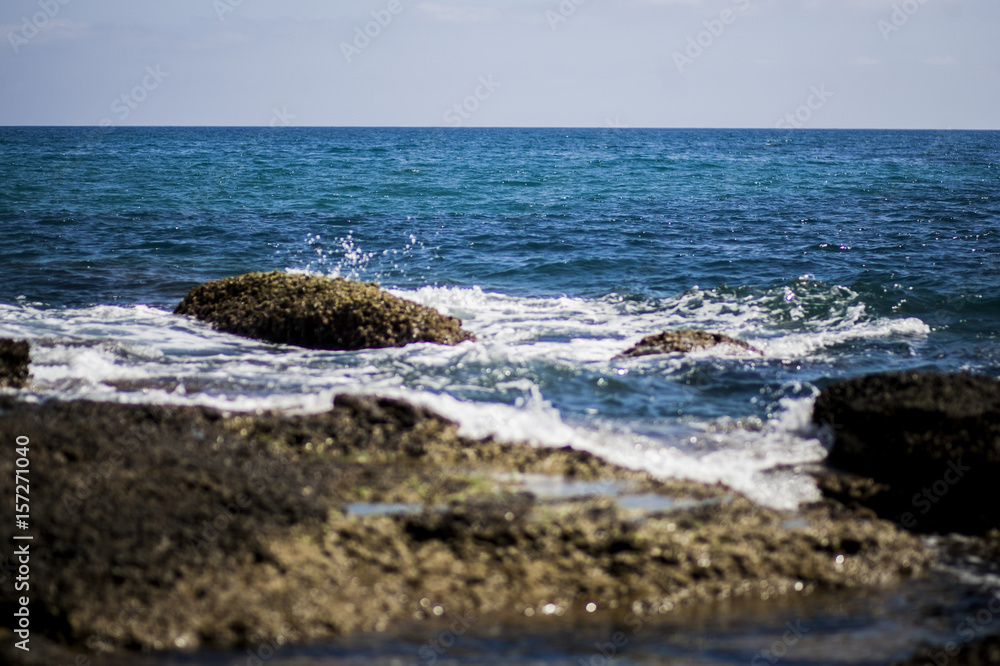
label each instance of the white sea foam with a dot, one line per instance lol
(744, 460)
(589, 330)
(492, 386)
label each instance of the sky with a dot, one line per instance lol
(908, 64)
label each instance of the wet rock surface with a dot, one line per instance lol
(924, 448)
(180, 527)
(15, 357)
(683, 341)
(317, 313)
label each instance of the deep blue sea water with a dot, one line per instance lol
(836, 253)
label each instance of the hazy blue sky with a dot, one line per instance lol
(638, 63)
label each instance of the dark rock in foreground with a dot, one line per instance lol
(930, 441)
(179, 527)
(317, 313)
(15, 356)
(684, 341)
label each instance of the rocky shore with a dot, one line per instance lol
(180, 527)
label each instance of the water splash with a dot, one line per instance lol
(344, 257)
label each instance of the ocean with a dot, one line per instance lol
(836, 253)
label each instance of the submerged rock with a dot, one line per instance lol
(317, 313)
(177, 527)
(930, 442)
(684, 341)
(15, 356)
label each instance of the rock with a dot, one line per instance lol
(183, 527)
(15, 357)
(317, 313)
(684, 341)
(930, 441)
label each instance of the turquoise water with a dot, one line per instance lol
(835, 253)
(137, 215)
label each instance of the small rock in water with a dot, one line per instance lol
(684, 341)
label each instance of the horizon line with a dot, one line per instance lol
(511, 127)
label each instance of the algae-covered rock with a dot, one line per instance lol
(317, 313)
(177, 527)
(684, 341)
(930, 441)
(15, 356)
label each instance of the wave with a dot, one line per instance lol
(785, 322)
(543, 371)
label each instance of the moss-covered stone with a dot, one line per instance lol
(684, 341)
(15, 357)
(169, 527)
(317, 313)
(930, 441)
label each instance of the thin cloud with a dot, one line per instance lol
(942, 61)
(671, 2)
(57, 29)
(459, 13)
